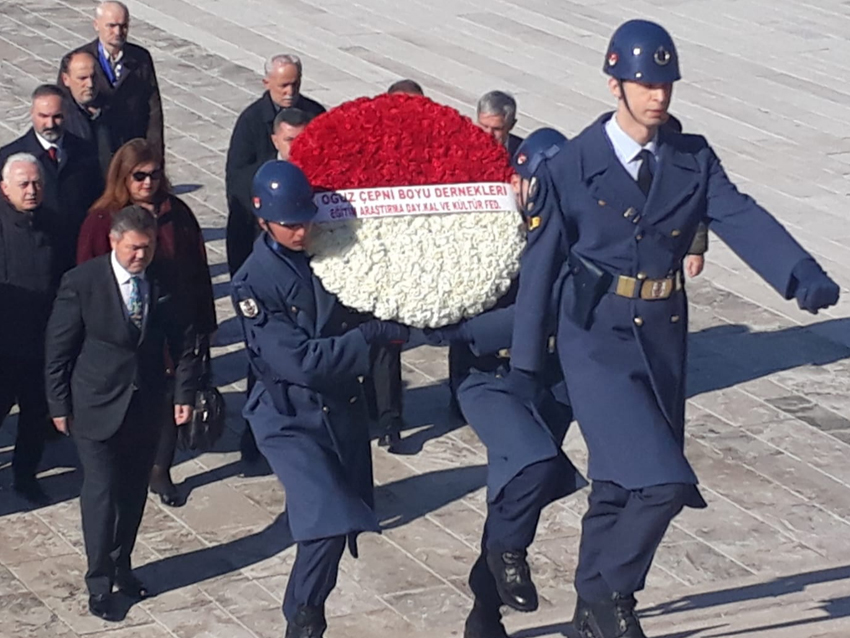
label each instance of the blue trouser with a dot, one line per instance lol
(313, 575)
(512, 522)
(620, 534)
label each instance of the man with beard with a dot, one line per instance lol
(71, 176)
(83, 109)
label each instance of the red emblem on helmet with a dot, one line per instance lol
(521, 159)
(613, 58)
(257, 202)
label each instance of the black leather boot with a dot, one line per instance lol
(484, 622)
(309, 622)
(611, 618)
(513, 579)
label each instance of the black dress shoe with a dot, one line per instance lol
(131, 587)
(309, 622)
(30, 490)
(167, 492)
(513, 579)
(100, 605)
(484, 623)
(612, 618)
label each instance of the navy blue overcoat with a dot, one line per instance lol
(626, 372)
(515, 434)
(307, 409)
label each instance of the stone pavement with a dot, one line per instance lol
(769, 410)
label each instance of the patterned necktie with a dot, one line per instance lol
(134, 304)
(646, 170)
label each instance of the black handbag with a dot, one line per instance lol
(207, 424)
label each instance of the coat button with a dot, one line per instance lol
(498, 376)
(353, 399)
(638, 237)
(345, 325)
(529, 207)
(641, 276)
(294, 309)
(325, 409)
(361, 379)
(638, 321)
(601, 202)
(676, 233)
(674, 319)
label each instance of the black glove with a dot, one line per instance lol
(523, 384)
(384, 332)
(815, 290)
(455, 333)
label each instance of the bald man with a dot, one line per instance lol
(124, 78)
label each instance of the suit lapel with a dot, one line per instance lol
(115, 304)
(35, 148)
(603, 173)
(676, 178)
(129, 66)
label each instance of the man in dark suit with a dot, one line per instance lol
(496, 114)
(106, 387)
(27, 286)
(69, 168)
(251, 145)
(125, 78)
(83, 107)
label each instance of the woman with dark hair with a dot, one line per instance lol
(136, 176)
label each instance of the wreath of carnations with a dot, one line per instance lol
(425, 271)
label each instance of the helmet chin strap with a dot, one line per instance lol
(625, 99)
(621, 84)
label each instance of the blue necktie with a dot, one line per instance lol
(134, 304)
(646, 171)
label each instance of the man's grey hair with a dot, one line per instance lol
(282, 59)
(132, 218)
(22, 158)
(498, 103)
(99, 9)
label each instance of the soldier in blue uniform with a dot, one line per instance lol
(526, 468)
(617, 209)
(306, 409)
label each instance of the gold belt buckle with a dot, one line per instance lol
(654, 289)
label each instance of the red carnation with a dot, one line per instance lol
(397, 140)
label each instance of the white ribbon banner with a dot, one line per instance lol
(398, 201)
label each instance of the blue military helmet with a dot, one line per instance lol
(642, 51)
(543, 143)
(282, 194)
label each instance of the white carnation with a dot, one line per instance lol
(424, 271)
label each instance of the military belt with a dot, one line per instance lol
(641, 287)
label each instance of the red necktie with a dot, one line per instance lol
(51, 153)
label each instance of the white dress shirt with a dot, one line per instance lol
(60, 154)
(626, 149)
(123, 278)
